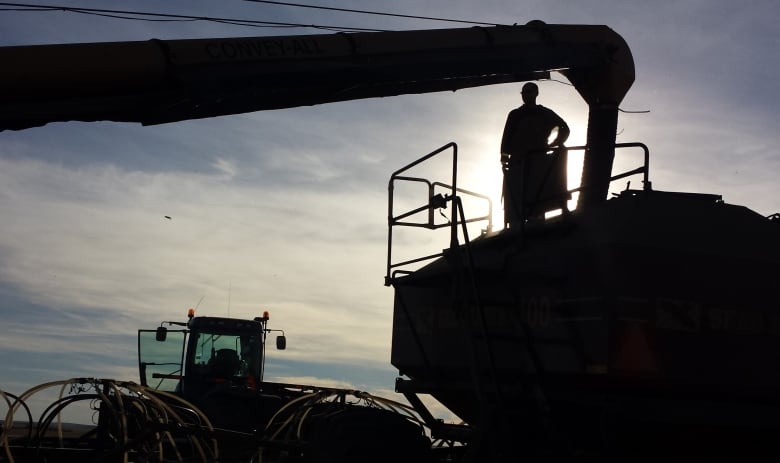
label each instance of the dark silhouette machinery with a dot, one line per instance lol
(643, 326)
(216, 364)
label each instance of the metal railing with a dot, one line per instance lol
(644, 169)
(435, 201)
(438, 201)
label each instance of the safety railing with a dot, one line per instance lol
(558, 196)
(435, 201)
(644, 169)
(438, 201)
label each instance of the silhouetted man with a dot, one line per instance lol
(534, 181)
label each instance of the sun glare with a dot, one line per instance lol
(482, 174)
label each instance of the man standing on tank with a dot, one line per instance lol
(534, 181)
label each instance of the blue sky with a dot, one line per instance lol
(286, 210)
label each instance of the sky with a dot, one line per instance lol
(286, 210)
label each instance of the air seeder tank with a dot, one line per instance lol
(652, 318)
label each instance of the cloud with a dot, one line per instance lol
(94, 240)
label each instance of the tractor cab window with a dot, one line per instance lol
(219, 355)
(160, 358)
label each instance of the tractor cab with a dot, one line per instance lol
(204, 353)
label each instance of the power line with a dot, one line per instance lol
(168, 17)
(378, 13)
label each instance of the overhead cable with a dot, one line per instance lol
(169, 17)
(378, 13)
